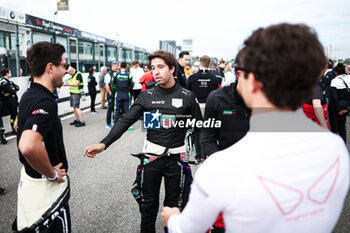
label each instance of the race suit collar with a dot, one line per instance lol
(167, 90)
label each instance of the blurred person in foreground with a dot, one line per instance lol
(287, 174)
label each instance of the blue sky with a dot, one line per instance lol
(218, 28)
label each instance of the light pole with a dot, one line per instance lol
(54, 16)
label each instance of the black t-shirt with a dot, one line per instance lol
(38, 111)
(79, 77)
(201, 84)
(318, 94)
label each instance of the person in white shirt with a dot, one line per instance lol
(287, 174)
(229, 76)
(136, 73)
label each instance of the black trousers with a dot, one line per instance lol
(122, 102)
(135, 93)
(93, 98)
(58, 222)
(172, 171)
(1, 106)
(12, 103)
(337, 123)
(62, 222)
(110, 110)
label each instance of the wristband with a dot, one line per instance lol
(55, 178)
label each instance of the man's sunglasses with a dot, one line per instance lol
(65, 65)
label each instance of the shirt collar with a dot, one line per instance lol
(38, 86)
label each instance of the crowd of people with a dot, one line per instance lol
(266, 167)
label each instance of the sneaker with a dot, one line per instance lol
(109, 126)
(3, 191)
(93, 112)
(130, 128)
(74, 122)
(80, 124)
(2, 137)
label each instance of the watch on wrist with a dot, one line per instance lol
(54, 178)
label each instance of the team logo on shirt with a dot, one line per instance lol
(39, 111)
(158, 102)
(177, 103)
(229, 112)
(288, 198)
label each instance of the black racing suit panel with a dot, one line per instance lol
(175, 101)
(226, 105)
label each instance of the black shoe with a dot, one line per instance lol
(74, 122)
(3, 191)
(80, 124)
(2, 137)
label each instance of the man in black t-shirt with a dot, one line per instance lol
(316, 107)
(41, 149)
(202, 82)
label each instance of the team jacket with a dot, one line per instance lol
(7, 87)
(225, 104)
(122, 81)
(202, 83)
(174, 104)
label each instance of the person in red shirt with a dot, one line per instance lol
(147, 77)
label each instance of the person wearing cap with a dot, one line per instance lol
(287, 174)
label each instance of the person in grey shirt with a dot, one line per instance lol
(101, 84)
